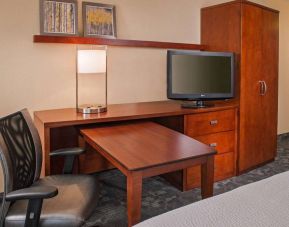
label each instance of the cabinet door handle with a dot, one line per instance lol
(265, 87)
(213, 122)
(262, 87)
(213, 144)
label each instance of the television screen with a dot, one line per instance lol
(200, 75)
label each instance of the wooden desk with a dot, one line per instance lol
(58, 129)
(146, 149)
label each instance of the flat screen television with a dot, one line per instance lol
(200, 76)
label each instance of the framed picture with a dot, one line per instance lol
(99, 20)
(58, 17)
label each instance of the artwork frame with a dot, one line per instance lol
(98, 11)
(59, 17)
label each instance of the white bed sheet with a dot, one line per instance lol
(260, 204)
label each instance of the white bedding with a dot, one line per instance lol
(261, 204)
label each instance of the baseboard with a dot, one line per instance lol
(283, 136)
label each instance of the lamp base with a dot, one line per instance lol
(91, 109)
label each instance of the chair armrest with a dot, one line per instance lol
(35, 196)
(68, 151)
(33, 192)
(69, 154)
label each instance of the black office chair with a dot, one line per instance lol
(61, 200)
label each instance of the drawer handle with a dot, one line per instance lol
(213, 122)
(213, 144)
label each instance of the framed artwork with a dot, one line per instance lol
(99, 20)
(58, 17)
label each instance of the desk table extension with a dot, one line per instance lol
(145, 149)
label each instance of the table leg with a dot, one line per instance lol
(134, 194)
(207, 177)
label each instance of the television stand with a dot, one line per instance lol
(195, 105)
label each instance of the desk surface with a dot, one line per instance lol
(119, 112)
(145, 144)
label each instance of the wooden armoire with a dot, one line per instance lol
(251, 31)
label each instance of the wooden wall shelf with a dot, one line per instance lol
(115, 42)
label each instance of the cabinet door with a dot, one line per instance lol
(258, 107)
(269, 101)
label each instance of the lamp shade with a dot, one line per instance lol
(91, 61)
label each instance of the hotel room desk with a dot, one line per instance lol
(146, 149)
(59, 129)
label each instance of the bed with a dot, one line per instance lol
(263, 203)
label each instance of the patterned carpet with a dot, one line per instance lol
(159, 196)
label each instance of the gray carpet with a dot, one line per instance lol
(159, 196)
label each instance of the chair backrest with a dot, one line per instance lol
(20, 152)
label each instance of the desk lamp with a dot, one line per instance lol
(91, 80)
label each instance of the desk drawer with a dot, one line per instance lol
(224, 168)
(206, 123)
(223, 142)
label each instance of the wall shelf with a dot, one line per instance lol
(115, 42)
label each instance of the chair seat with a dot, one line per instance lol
(77, 197)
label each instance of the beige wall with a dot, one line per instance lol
(42, 76)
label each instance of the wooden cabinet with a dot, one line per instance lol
(251, 32)
(219, 130)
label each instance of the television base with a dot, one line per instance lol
(195, 105)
